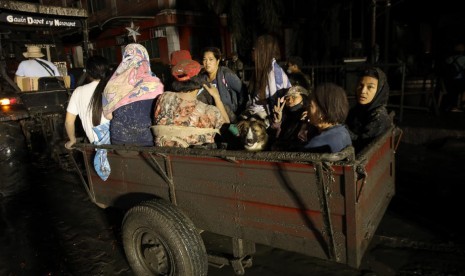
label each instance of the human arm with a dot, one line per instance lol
(20, 70)
(233, 81)
(235, 84)
(213, 91)
(70, 130)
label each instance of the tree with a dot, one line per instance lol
(243, 14)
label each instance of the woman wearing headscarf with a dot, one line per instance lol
(128, 98)
(369, 118)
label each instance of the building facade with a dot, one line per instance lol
(162, 26)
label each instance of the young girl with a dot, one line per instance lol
(269, 81)
(287, 119)
(369, 117)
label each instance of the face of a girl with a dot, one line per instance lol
(312, 112)
(210, 63)
(366, 90)
(293, 99)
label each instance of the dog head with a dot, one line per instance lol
(253, 135)
(257, 113)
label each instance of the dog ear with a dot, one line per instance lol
(265, 122)
(262, 123)
(241, 126)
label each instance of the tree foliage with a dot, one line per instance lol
(243, 15)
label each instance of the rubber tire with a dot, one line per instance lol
(159, 239)
(12, 141)
(13, 159)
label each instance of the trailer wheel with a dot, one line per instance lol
(160, 240)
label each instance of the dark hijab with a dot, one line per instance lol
(368, 121)
(382, 93)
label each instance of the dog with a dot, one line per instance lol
(252, 134)
(252, 129)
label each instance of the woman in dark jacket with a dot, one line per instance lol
(228, 83)
(369, 118)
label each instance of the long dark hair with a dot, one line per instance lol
(266, 48)
(97, 68)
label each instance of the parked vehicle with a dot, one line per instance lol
(323, 205)
(38, 112)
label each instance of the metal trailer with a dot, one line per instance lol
(323, 205)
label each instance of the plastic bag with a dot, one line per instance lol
(101, 164)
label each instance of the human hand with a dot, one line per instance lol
(278, 110)
(212, 90)
(69, 145)
(304, 116)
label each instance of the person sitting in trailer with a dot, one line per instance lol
(369, 118)
(288, 121)
(181, 120)
(228, 83)
(326, 112)
(86, 101)
(129, 96)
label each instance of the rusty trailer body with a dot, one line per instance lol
(323, 205)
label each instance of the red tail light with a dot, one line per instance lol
(8, 101)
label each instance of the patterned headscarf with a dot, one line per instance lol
(132, 81)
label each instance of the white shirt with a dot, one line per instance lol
(31, 68)
(79, 105)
